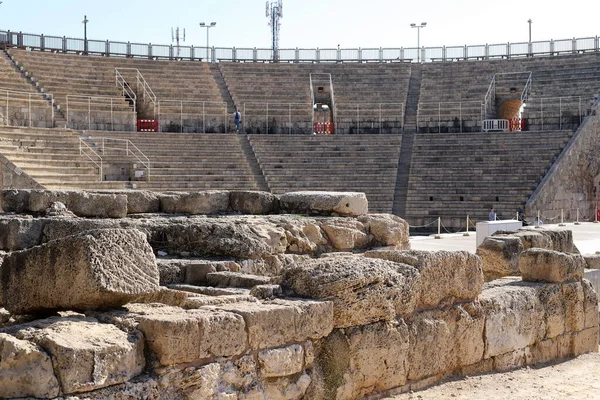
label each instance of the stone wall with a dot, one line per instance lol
(12, 176)
(569, 184)
(338, 307)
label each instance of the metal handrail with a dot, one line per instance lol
(144, 50)
(489, 95)
(125, 88)
(48, 98)
(141, 81)
(89, 106)
(129, 150)
(160, 111)
(81, 152)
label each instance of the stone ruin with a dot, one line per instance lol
(248, 295)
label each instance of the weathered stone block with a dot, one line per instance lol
(296, 321)
(87, 355)
(500, 256)
(446, 276)
(178, 336)
(204, 202)
(441, 341)
(514, 317)
(14, 200)
(363, 290)
(345, 235)
(280, 362)
(592, 261)
(387, 230)
(253, 202)
(326, 203)
(80, 203)
(93, 270)
(25, 370)
(20, 232)
(235, 279)
(540, 265)
(585, 341)
(138, 201)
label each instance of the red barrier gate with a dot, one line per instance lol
(326, 128)
(517, 124)
(147, 125)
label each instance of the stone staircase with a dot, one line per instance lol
(364, 163)
(412, 98)
(52, 158)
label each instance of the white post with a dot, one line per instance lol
(89, 113)
(181, 110)
(562, 223)
(203, 118)
(596, 213)
(30, 110)
(112, 125)
(537, 222)
(467, 232)
(438, 236)
(577, 222)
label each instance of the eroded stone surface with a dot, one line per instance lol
(253, 202)
(446, 276)
(500, 256)
(25, 370)
(94, 270)
(363, 290)
(540, 265)
(282, 361)
(327, 203)
(203, 202)
(80, 203)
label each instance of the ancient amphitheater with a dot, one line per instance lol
(147, 251)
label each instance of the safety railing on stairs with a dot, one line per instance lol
(191, 116)
(99, 113)
(26, 109)
(142, 88)
(101, 148)
(122, 84)
(489, 101)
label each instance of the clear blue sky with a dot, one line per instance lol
(308, 24)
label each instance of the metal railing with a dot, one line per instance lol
(85, 149)
(277, 117)
(142, 87)
(545, 113)
(105, 151)
(512, 78)
(126, 90)
(450, 116)
(98, 113)
(19, 109)
(370, 118)
(192, 116)
(381, 54)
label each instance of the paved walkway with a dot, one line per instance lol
(586, 237)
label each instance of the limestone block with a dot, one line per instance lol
(512, 360)
(387, 230)
(376, 357)
(20, 232)
(325, 203)
(178, 336)
(500, 256)
(93, 270)
(14, 200)
(86, 354)
(235, 279)
(281, 362)
(138, 201)
(441, 341)
(296, 321)
(592, 261)
(203, 202)
(345, 235)
(266, 292)
(561, 240)
(585, 341)
(25, 370)
(82, 204)
(363, 290)
(533, 239)
(58, 228)
(170, 271)
(446, 276)
(590, 304)
(196, 273)
(540, 265)
(253, 202)
(514, 317)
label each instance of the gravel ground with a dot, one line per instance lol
(574, 379)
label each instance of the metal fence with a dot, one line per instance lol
(99, 113)
(549, 113)
(192, 116)
(26, 109)
(277, 118)
(370, 118)
(381, 54)
(454, 116)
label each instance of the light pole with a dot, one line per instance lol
(423, 25)
(207, 26)
(530, 47)
(85, 42)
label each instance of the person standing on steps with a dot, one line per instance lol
(237, 120)
(492, 214)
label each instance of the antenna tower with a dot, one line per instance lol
(175, 37)
(274, 11)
